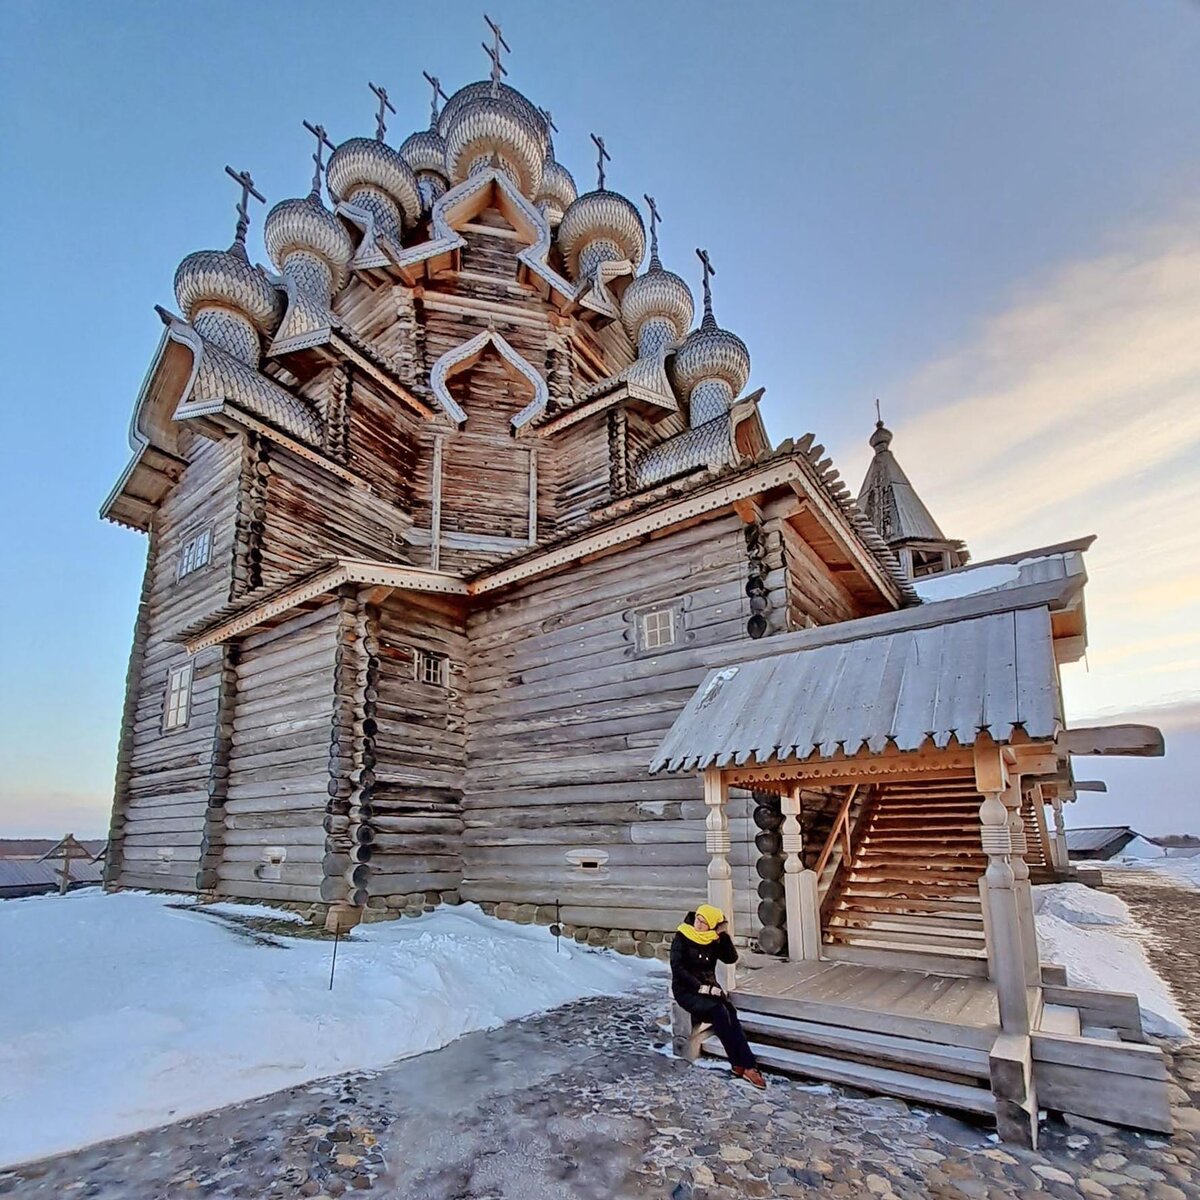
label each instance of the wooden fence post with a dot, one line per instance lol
(720, 876)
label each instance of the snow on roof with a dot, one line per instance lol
(1044, 565)
(1097, 837)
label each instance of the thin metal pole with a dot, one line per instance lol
(557, 924)
(337, 937)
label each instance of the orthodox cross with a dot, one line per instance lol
(493, 52)
(549, 119)
(323, 142)
(243, 212)
(435, 83)
(654, 220)
(878, 414)
(385, 106)
(600, 157)
(709, 271)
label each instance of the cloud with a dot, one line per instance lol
(1075, 408)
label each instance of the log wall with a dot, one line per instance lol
(163, 776)
(564, 713)
(277, 790)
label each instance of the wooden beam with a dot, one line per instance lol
(1137, 741)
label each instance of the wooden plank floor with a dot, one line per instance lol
(948, 998)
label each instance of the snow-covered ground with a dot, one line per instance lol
(1183, 870)
(119, 1013)
(1094, 935)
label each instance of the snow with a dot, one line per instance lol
(1141, 848)
(1182, 870)
(121, 1012)
(1094, 935)
(967, 582)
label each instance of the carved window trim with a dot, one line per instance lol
(658, 628)
(460, 358)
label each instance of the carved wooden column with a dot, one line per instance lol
(1062, 858)
(799, 886)
(1022, 889)
(1010, 1059)
(720, 876)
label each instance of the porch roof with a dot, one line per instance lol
(992, 673)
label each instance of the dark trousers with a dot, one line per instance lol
(724, 1020)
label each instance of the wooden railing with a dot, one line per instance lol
(841, 825)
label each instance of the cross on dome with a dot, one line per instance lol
(709, 272)
(549, 119)
(243, 212)
(435, 83)
(323, 143)
(654, 220)
(385, 106)
(493, 52)
(601, 156)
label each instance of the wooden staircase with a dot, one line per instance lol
(912, 884)
(922, 1062)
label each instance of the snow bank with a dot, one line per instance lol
(1078, 904)
(968, 582)
(1093, 934)
(121, 1013)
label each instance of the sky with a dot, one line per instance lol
(987, 215)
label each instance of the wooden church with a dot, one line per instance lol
(456, 522)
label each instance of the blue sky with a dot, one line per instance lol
(986, 214)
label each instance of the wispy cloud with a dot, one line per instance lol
(1075, 408)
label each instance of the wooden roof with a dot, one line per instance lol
(993, 673)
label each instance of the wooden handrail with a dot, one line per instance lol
(841, 824)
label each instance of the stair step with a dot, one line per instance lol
(882, 1080)
(966, 907)
(964, 922)
(887, 1049)
(929, 938)
(849, 936)
(920, 958)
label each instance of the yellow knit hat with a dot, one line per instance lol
(712, 915)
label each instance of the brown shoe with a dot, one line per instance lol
(751, 1075)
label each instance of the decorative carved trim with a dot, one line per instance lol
(462, 357)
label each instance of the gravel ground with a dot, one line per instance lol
(587, 1102)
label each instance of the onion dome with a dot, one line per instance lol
(600, 226)
(557, 192)
(713, 365)
(501, 92)
(657, 307)
(487, 129)
(368, 173)
(425, 153)
(226, 300)
(309, 244)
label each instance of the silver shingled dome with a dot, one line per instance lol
(710, 352)
(425, 150)
(308, 227)
(487, 127)
(503, 93)
(366, 165)
(225, 279)
(601, 216)
(658, 293)
(557, 192)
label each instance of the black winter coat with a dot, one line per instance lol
(693, 965)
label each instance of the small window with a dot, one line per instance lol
(195, 553)
(658, 628)
(430, 668)
(179, 697)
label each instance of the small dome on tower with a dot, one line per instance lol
(367, 172)
(658, 295)
(713, 365)
(509, 96)
(305, 240)
(425, 151)
(600, 226)
(488, 129)
(557, 191)
(227, 300)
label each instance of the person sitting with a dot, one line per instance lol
(701, 941)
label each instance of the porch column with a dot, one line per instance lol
(799, 886)
(720, 876)
(1002, 921)
(1022, 888)
(1062, 858)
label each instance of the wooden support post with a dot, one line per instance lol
(799, 886)
(1006, 955)
(1022, 889)
(1062, 859)
(1010, 1066)
(435, 515)
(720, 876)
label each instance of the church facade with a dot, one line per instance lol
(444, 507)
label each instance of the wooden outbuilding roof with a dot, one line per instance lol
(890, 689)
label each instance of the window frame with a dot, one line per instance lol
(651, 628)
(207, 533)
(177, 702)
(422, 659)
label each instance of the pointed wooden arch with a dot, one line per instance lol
(462, 358)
